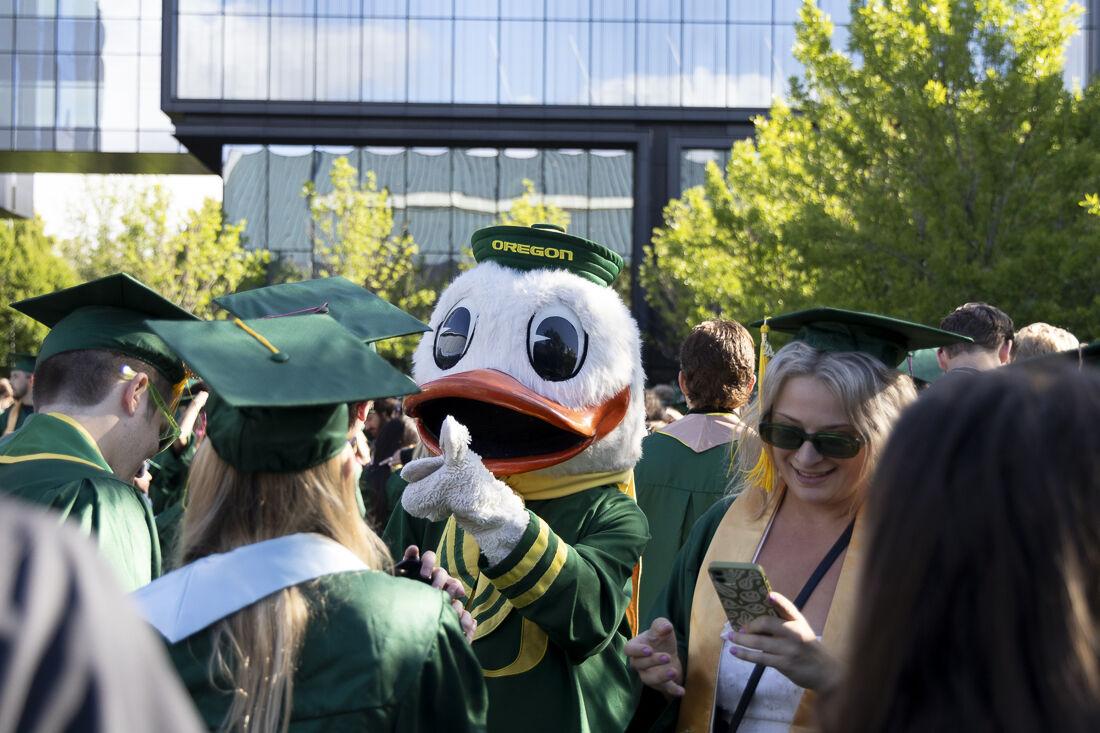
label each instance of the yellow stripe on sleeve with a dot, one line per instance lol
(539, 589)
(528, 561)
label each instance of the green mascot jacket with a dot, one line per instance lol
(552, 615)
(53, 461)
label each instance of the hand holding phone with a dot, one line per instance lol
(743, 590)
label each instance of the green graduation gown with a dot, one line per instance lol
(676, 484)
(53, 461)
(379, 654)
(21, 413)
(674, 603)
(551, 615)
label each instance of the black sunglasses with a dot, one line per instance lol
(830, 445)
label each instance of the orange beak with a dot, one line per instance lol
(513, 429)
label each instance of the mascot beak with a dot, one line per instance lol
(513, 429)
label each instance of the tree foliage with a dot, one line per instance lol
(28, 267)
(938, 160)
(354, 237)
(190, 264)
(531, 208)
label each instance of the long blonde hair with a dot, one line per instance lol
(257, 647)
(873, 397)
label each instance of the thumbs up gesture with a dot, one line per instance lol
(458, 483)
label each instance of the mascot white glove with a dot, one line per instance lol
(458, 483)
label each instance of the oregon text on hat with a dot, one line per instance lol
(550, 253)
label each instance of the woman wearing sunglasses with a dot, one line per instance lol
(825, 407)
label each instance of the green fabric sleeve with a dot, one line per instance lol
(121, 523)
(577, 594)
(450, 693)
(655, 713)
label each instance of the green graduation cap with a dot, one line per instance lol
(23, 363)
(357, 309)
(887, 339)
(546, 246)
(111, 314)
(922, 365)
(281, 386)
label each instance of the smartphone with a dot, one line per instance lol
(410, 568)
(743, 590)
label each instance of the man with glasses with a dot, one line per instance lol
(106, 388)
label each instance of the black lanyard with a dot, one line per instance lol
(804, 595)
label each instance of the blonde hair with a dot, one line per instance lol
(1037, 339)
(257, 647)
(872, 396)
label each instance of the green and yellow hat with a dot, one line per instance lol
(280, 386)
(355, 308)
(546, 247)
(890, 340)
(23, 363)
(110, 314)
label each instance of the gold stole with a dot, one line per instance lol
(736, 540)
(491, 609)
(13, 417)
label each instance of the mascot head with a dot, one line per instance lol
(535, 353)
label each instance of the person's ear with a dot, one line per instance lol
(132, 395)
(1004, 354)
(752, 384)
(941, 358)
(362, 409)
(682, 381)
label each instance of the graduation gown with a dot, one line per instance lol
(170, 476)
(552, 615)
(379, 654)
(730, 530)
(683, 471)
(13, 418)
(53, 461)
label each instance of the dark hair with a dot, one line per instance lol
(386, 408)
(981, 609)
(717, 361)
(394, 435)
(988, 326)
(85, 377)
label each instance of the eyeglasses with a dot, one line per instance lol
(830, 445)
(171, 431)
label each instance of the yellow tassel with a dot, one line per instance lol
(763, 473)
(765, 351)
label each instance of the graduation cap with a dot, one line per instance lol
(280, 386)
(922, 365)
(109, 314)
(832, 329)
(546, 247)
(357, 309)
(23, 363)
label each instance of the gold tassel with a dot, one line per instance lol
(763, 473)
(765, 351)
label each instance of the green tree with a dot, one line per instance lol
(531, 208)
(354, 237)
(940, 159)
(28, 267)
(190, 264)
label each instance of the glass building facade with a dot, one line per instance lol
(83, 76)
(439, 195)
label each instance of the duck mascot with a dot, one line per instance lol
(532, 395)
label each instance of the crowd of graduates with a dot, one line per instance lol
(924, 503)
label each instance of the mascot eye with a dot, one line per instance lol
(453, 337)
(556, 343)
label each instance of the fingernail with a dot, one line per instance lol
(671, 673)
(646, 651)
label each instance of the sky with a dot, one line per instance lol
(59, 198)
